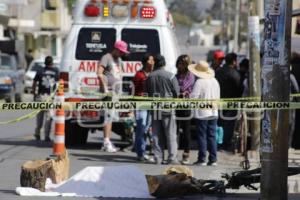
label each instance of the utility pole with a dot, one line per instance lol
(237, 25)
(255, 69)
(276, 87)
(223, 22)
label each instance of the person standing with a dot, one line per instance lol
(186, 82)
(29, 58)
(218, 59)
(206, 87)
(163, 84)
(230, 83)
(143, 117)
(244, 74)
(43, 85)
(110, 76)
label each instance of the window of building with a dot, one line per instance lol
(51, 4)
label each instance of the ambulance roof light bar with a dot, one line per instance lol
(91, 9)
(147, 11)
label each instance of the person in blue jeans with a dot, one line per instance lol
(143, 123)
(143, 118)
(208, 88)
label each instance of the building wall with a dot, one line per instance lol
(296, 5)
(36, 25)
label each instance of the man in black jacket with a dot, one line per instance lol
(230, 84)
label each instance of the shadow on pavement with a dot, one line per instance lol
(106, 158)
(42, 144)
(7, 192)
(20, 142)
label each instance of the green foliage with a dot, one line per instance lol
(182, 19)
(186, 10)
(71, 3)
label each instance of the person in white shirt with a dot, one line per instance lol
(206, 87)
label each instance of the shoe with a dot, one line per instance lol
(151, 160)
(47, 139)
(199, 163)
(109, 147)
(146, 159)
(37, 137)
(170, 162)
(164, 162)
(185, 159)
(185, 162)
(143, 158)
(212, 164)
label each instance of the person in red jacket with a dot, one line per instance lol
(143, 118)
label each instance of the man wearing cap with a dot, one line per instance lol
(218, 60)
(206, 87)
(110, 75)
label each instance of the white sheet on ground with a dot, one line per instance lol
(120, 181)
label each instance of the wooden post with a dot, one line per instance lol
(276, 87)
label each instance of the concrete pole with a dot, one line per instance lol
(237, 25)
(223, 22)
(255, 69)
(276, 87)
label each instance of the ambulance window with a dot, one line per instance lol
(141, 41)
(93, 43)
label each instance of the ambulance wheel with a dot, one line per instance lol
(75, 135)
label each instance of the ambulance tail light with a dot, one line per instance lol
(65, 76)
(92, 10)
(148, 12)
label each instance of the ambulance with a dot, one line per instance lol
(146, 25)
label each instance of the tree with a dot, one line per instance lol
(71, 3)
(186, 9)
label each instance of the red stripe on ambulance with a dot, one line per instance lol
(88, 66)
(132, 67)
(91, 66)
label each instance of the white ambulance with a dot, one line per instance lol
(147, 27)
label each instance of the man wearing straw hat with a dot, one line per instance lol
(206, 87)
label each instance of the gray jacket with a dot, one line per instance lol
(162, 83)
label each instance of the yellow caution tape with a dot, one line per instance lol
(149, 105)
(146, 98)
(29, 115)
(22, 118)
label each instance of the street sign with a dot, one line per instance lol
(3, 7)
